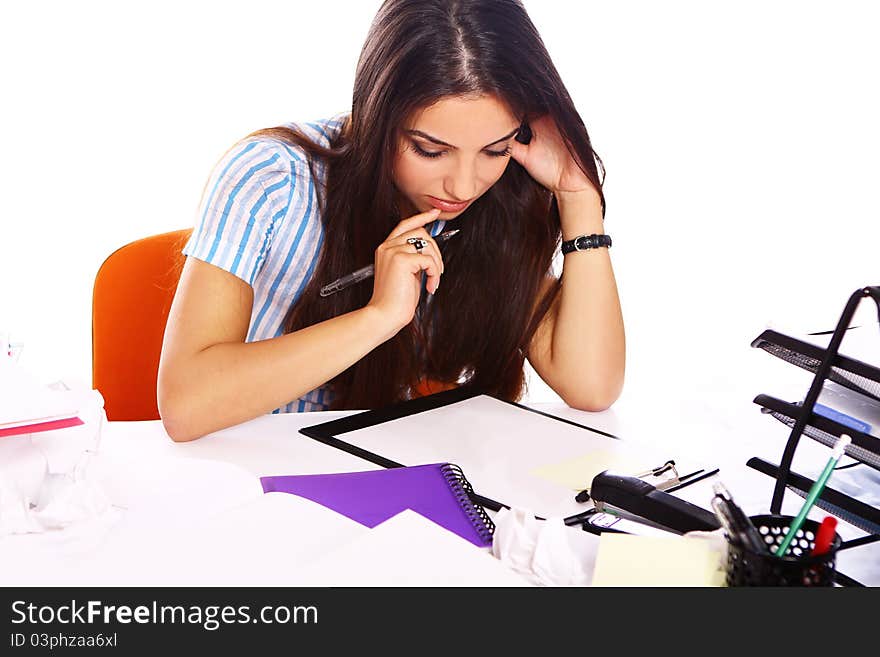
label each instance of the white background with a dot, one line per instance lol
(741, 143)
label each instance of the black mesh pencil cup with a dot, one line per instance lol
(797, 568)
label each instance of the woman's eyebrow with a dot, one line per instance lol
(425, 135)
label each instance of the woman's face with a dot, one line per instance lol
(450, 153)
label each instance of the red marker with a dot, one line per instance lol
(824, 536)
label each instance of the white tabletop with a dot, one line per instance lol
(194, 513)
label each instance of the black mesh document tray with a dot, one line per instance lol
(864, 447)
(826, 364)
(846, 371)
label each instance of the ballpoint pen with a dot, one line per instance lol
(734, 520)
(366, 272)
(813, 495)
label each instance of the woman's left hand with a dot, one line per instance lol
(548, 161)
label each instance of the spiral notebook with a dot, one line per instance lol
(438, 491)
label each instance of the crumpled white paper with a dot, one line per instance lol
(22, 472)
(549, 553)
(545, 552)
(44, 478)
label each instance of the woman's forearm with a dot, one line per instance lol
(229, 383)
(588, 350)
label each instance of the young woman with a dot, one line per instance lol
(459, 120)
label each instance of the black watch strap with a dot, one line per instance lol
(584, 242)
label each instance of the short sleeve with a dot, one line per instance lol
(253, 188)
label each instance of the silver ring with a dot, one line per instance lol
(417, 242)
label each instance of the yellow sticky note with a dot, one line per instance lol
(628, 560)
(577, 473)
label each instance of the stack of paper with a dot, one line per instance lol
(28, 407)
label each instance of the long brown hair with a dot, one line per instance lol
(479, 324)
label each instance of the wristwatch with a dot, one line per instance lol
(584, 242)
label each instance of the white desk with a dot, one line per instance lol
(195, 514)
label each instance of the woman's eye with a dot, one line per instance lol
(503, 153)
(422, 152)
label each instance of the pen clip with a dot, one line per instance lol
(327, 290)
(722, 512)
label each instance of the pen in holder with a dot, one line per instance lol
(799, 567)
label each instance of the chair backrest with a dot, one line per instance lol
(132, 296)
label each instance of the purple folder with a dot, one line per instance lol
(438, 491)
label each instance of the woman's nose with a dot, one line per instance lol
(461, 183)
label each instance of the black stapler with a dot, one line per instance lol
(639, 498)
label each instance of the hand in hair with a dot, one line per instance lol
(548, 160)
(397, 284)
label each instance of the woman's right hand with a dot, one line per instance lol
(397, 282)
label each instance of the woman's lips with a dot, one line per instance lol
(447, 206)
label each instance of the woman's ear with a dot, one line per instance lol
(524, 136)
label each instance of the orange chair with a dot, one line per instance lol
(427, 387)
(132, 296)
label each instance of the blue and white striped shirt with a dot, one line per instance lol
(259, 220)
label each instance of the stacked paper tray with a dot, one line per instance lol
(846, 371)
(864, 447)
(864, 516)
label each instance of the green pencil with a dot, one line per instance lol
(813, 495)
